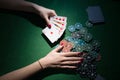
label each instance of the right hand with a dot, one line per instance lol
(61, 60)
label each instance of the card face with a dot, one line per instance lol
(51, 33)
(58, 26)
(59, 19)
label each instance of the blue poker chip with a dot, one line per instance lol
(78, 26)
(92, 74)
(71, 28)
(83, 30)
(81, 42)
(88, 24)
(79, 48)
(94, 54)
(87, 37)
(69, 38)
(77, 42)
(96, 43)
(88, 47)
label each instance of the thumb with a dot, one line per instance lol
(58, 48)
(48, 22)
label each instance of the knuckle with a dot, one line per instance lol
(53, 11)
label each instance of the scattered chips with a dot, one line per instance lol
(82, 41)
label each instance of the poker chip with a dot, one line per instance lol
(93, 67)
(79, 48)
(78, 26)
(88, 24)
(92, 74)
(94, 54)
(83, 30)
(71, 28)
(88, 47)
(81, 42)
(88, 58)
(88, 37)
(76, 35)
(96, 43)
(69, 38)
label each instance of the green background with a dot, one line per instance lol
(22, 42)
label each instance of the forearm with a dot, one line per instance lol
(19, 5)
(22, 73)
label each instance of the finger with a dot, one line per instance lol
(68, 54)
(53, 13)
(48, 22)
(73, 59)
(58, 48)
(70, 67)
(70, 62)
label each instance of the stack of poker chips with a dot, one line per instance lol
(82, 41)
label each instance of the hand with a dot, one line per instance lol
(61, 60)
(45, 13)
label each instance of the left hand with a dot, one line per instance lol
(45, 13)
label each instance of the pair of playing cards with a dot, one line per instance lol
(58, 26)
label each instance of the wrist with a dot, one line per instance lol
(37, 8)
(43, 63)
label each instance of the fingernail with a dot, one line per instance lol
(49, 25)
(80, 54)
(81, 60)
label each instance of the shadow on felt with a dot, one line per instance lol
(31, 17)
(39, 22)
(50, 71)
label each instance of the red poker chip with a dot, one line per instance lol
(63, 43)
(98, 58)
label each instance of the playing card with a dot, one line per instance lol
(51, 33)
(59, 22)
(58, 26)
(59, 19)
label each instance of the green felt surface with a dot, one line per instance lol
(21, 40)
